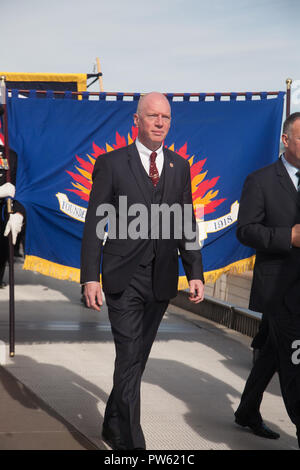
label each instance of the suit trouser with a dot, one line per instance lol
(135, 316)
(4, 249)
(261, 374)
(277, 354)
(261, 337)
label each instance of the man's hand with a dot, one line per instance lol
(7, 190)
(14, 225)
(93, 295)
(296, 236)
(196, 291)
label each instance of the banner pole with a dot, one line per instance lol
(100, 76)
(288, 96)
(10, 243)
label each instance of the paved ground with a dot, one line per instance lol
(53, 392)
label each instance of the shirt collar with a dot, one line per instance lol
(144, 151)
(290, 168)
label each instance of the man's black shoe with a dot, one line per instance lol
(113, 441)
(2, 285)
(261, 429)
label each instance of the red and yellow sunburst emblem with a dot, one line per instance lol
(204, 194)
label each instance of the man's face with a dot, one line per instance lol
(153, 120)
(291, 143)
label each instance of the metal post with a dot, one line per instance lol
(100, 76)
(288, 96)
(9, 211)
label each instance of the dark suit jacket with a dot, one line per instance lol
(119, 174)
(269, 208)
(13, 160)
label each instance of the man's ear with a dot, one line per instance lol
(285, 139)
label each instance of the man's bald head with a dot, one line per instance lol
(149, 98)
(153, 119)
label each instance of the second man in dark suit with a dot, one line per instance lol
(269, 221)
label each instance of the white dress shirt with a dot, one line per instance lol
(145, 153)
(292, 170)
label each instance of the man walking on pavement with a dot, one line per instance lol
(139, 274)
(269, 221)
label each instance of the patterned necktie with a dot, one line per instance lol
(298, 175)
(153, 172)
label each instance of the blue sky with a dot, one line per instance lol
(163, 45)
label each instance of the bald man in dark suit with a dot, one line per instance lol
(139, 274)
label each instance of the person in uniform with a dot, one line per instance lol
(9, 223)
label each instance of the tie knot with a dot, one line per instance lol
(153, 157)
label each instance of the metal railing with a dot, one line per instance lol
(236, 318)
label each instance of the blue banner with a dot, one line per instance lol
(58, 142)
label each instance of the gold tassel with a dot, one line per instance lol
(59, 271)
(48, 268)
(211, 277)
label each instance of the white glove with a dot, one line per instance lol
(14, 225)
(7, 190)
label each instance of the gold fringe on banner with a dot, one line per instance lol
(59, 271)
(48, 268)
(211, 277)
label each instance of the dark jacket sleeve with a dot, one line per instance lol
(17, 206)
(13, 162)
(189, 248)
(92, 241)
(252, 229)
